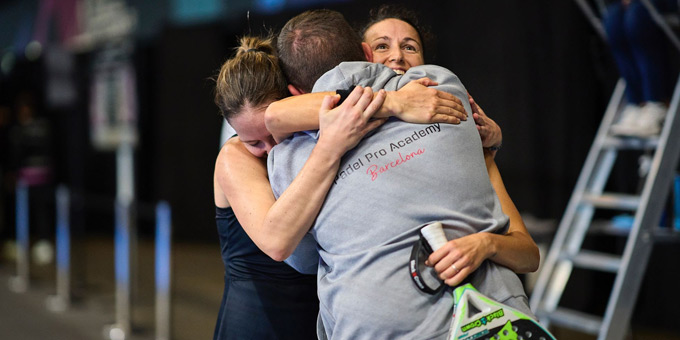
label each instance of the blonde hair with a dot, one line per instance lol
(251, 78)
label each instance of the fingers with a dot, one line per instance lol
(472, 101)
(446, 118)
(360, 96)
(367, 104)
(329, 102)
(450, 115)
(361, 104)
(475, 107)
(435, 257)
(354, 96)
(456, 271)
(479, 119)
(448, 96)
(425, 81)
(457, 277)
(365, 99)
(375, 103)
(450, 105)
(451, 265)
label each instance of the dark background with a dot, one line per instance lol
(536, 67)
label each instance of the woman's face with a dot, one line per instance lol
(396, 44)
(249, 125)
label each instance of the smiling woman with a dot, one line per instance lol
(396, 44)
(396, 37)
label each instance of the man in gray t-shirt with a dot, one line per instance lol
(399, 178)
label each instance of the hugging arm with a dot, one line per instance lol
(515, 249)
(295, 113)
(414, 103)
(277, 226)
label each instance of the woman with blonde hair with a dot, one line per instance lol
(264, 298)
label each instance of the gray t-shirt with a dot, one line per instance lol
(398, 179)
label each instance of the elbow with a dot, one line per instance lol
(272, 121)
(533, 261)
(529, 254)
(528, 260)
(271, 117)
(278, 256)
(278, 253)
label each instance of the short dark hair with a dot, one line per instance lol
(400, 12)
(314, 42)
(252, 78)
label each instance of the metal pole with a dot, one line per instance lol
(122, 239)
(122, 267)
(62, 300)
(163, 270)
(120, 330)
(676, 205)
(19, 283)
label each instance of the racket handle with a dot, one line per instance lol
(434, 234)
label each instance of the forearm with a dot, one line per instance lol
(391, 106)
(293, 214)
(424, 106)
(341, 128)
(293, 114)
(514, 249)
(276, 227)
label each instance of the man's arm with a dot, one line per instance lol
(415, 103)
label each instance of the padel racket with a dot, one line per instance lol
(476, 316)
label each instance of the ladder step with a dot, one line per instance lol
(573, 319)
(613, 201)
(589, 259)
(630, 143)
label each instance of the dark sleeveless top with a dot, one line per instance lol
(263, 298)
(242, 258)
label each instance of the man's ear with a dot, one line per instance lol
(368, 53)
(294, 90)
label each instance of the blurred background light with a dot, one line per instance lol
(33, 50)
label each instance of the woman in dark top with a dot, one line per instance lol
(263, 299)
